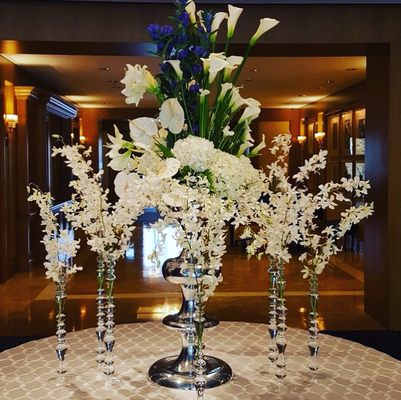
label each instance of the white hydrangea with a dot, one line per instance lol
(194, 152)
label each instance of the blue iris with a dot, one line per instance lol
(154, 31)
(196, 69)
(199, 51)
(166, 30)
(183, 53)
(194, 88)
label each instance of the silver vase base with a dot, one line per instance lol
(164, 372)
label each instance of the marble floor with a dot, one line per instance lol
(27, 306)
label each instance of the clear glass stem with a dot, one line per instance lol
(281, 342)
(272, 326)
(109, 340)
(200, 363)
(313, 341)
(100, 315)
(61, 332)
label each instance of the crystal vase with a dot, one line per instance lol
(313, 341)
(179, 371)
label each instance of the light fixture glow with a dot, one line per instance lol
(301, 139)
(11, 120)
(319, 136)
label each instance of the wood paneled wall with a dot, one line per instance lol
(25, 158)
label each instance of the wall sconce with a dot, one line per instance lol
(11, 121)
(319, 136)
(82, 137)
(301, 139)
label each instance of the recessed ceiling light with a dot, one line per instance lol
(105, 69)
(329, 81)
(255, 70)
(302, 95)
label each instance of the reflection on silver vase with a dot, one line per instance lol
(180, 371)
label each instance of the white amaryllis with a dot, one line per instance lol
(122, 161)
(172, 116)
(137, 81)
(264, 25)
(190, 8)
(176, 65)
(142, 131)
(233, 15)
(116, 143)
(217, 20)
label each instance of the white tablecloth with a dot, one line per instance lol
(347, 370)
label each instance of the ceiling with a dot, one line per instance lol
(277, 82)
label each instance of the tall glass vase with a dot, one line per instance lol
(200, 362)
(180, 371)
(109, 339)
(281, 341)
(100, 314)
(61, 332)
(313, 341)
(273, 299)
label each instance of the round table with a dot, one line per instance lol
(347, 370)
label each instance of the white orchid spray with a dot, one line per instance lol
(108, 229)
(61, 248)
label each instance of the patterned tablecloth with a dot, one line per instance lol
(347, 370)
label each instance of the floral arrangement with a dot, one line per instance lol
(290, 216)
(61, 248)
(199, 145)
(192, 161)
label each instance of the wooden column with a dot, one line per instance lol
(25, 260)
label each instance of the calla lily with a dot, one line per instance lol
(176, 65)
(217, 20)
(227, 131)
(190, 8)
(264, 25)
(259, 147)
(236, 100)
(249, 114)
(225, 87)
(233, 15)
(233, 62)
(172, 116)
(204, 92)
(142, 131)
(200, 19)
(214, 64)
